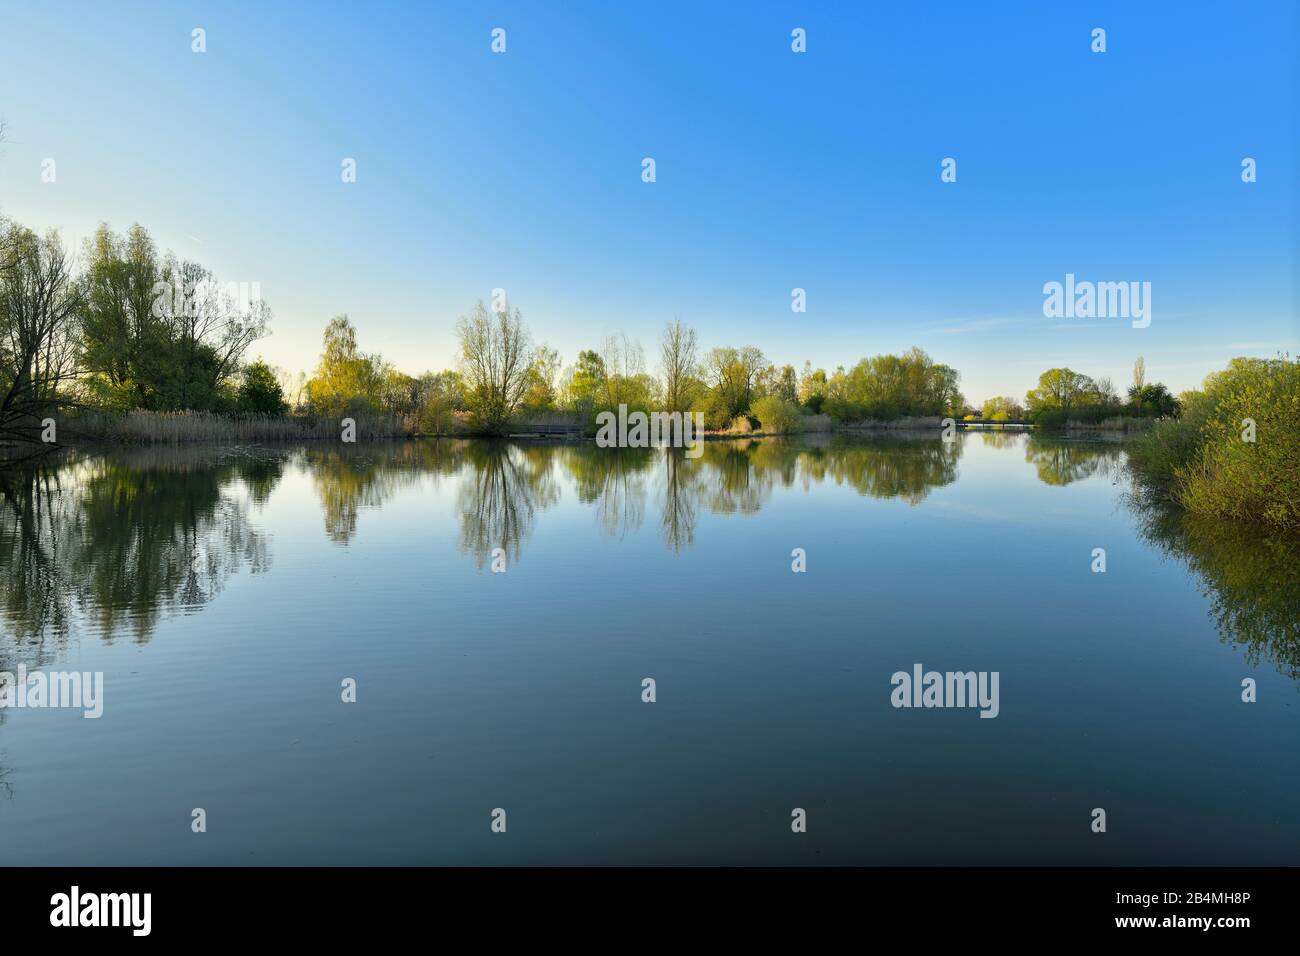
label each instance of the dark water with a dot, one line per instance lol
(226, 594)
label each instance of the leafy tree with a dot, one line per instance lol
(586, 380)
(1001, 408)
(732, 374)
(157, 333)
(1059, 389)
(39, 348)
(442, 399)
(120, 331)
(812, 388)
(345, 377)
(892, 386)
(542, 394)
(1154, 400)
(787, 386)
(625, 381)
(260, 392)
(496, 358)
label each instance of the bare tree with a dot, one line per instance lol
(1139, 373)
(677, 353)
(624, 363)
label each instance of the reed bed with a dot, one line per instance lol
(181, 428)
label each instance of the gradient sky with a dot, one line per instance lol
(775, 170)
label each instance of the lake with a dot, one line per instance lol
(228, 594)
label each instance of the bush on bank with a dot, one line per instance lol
(1235, 452)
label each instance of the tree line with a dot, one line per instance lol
(129, 329)
(1064, 395)
(504, 379)
(124, 327)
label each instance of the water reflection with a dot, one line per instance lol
(501, 491)
(350, 478)
(1251, 578)
(121, 540)
(1063, 462)
(117, 541)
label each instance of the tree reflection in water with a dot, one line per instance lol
(117, 541)
(123, 539)
(1062, 462)
(1251, 578)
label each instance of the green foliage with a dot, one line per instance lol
(1206, 461)
(1153, 400)
(157, 333)
(1064, 395)
(39, 345)
(442, 401)
(733, 375)
(345, 379)
(812, 388)
(260, 392)
(1251, 577)
(1001, 408)
(716, 409)
(892, 386)
(496, 362)
(777, 414)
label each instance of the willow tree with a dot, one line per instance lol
(496, 357)
(677, 355)
(39, 345)
(159, 333)
(345, 377)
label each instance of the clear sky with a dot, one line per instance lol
(775, 170)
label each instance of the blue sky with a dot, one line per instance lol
(775, 170)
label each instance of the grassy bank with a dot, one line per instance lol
(1235, 451)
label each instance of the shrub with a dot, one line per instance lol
(1050, 419)
(1205, 460)
(717, 416)
(775, 414)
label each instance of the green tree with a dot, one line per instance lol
(1000, 408)
(1154, 400)
(260, 392)
(542, 393)
(39, 345)
(893, 386)
(1059, 389)
(496, 357)
(345, 377)
(732, 374)
(159, 333)
(776, 414)
(812, 388)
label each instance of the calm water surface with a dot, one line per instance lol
(226, 593)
